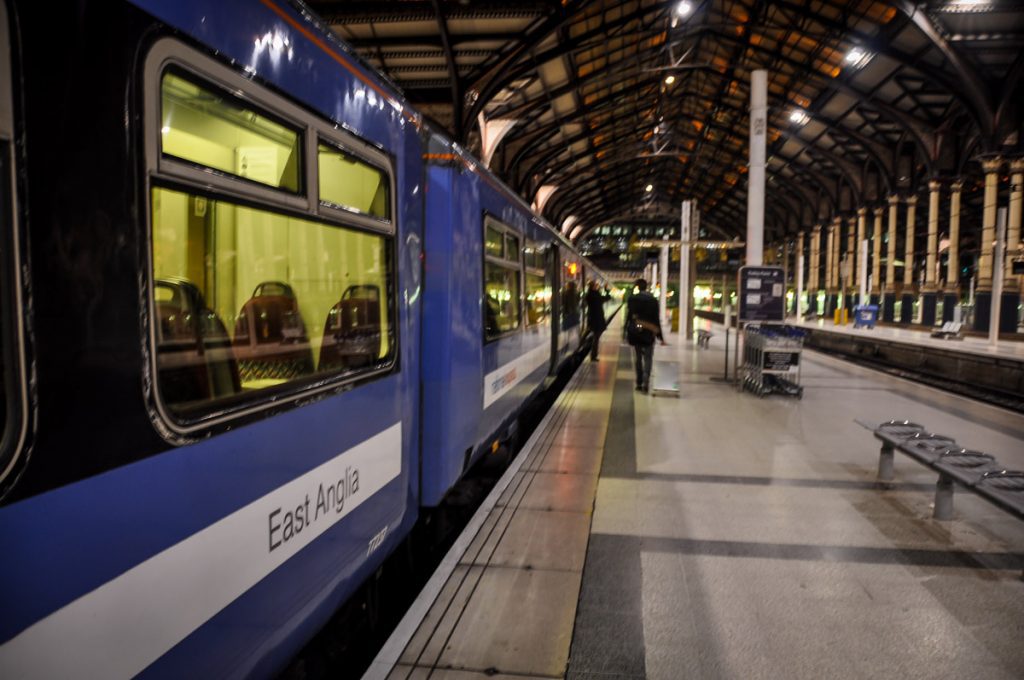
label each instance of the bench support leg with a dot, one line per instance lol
(943, 499)
(885, 463)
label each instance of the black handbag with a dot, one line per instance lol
(635, 332)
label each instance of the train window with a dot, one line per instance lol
(534, 256)
(571, 293)
(538, 288)
(511, 246)
(502, 272)
(494, 243)
(501, 290)
(271, 245)
(246, 299)
(349, 182)
(211, 128)
(538, 300)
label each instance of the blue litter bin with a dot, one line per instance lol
(865, 316)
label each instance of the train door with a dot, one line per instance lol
(585, 275)
(572, 295)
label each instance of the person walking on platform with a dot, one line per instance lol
(595, 316)
(642, 327)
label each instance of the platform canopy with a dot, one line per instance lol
(627, 108)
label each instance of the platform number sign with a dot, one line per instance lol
(762, 294)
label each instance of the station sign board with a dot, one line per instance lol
(762, 294)
(781, 362)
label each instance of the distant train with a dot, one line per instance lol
(256, 315)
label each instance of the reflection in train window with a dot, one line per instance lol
(247, 299)
(511, 247)
(213, 129)
(538, 300)
(494, 244)
(501, 290)
(502, 272)
(534, 256)
(349, 182)
(572, 293)
(538, 285)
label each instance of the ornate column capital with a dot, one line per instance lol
(934, 185)
(879, 211)
(894, 199)
(1017, 165)
(861, 212)
(991, 165)
(912, 200)
(957, 186)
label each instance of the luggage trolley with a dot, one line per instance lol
(771, 359)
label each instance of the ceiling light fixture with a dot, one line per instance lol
(669, 80)
(682, 9)
(799, 117)
(649, 188)
(968, 6)
(857, 57)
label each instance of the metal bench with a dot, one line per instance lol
(973, 470)
(703, 338)
(951, 330)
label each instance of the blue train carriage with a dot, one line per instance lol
(210, 433)
(488, 313)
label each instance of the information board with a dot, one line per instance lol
(762, 294)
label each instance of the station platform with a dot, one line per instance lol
(722, 535)
(968, 365)
(969, 344)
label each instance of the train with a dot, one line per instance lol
(258, 316)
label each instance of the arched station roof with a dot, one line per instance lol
(602, 98)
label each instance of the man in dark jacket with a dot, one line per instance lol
(595, 316)
(643, 326)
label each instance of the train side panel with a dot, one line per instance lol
(452, 357)
(515, 363)
(474, 385)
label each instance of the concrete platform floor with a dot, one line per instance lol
(504, 602)
(731, 536)
(741, 537)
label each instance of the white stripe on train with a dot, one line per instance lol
(128, 623)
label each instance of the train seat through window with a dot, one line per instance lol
(194, 356)
(270, 337)
(352, 330)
